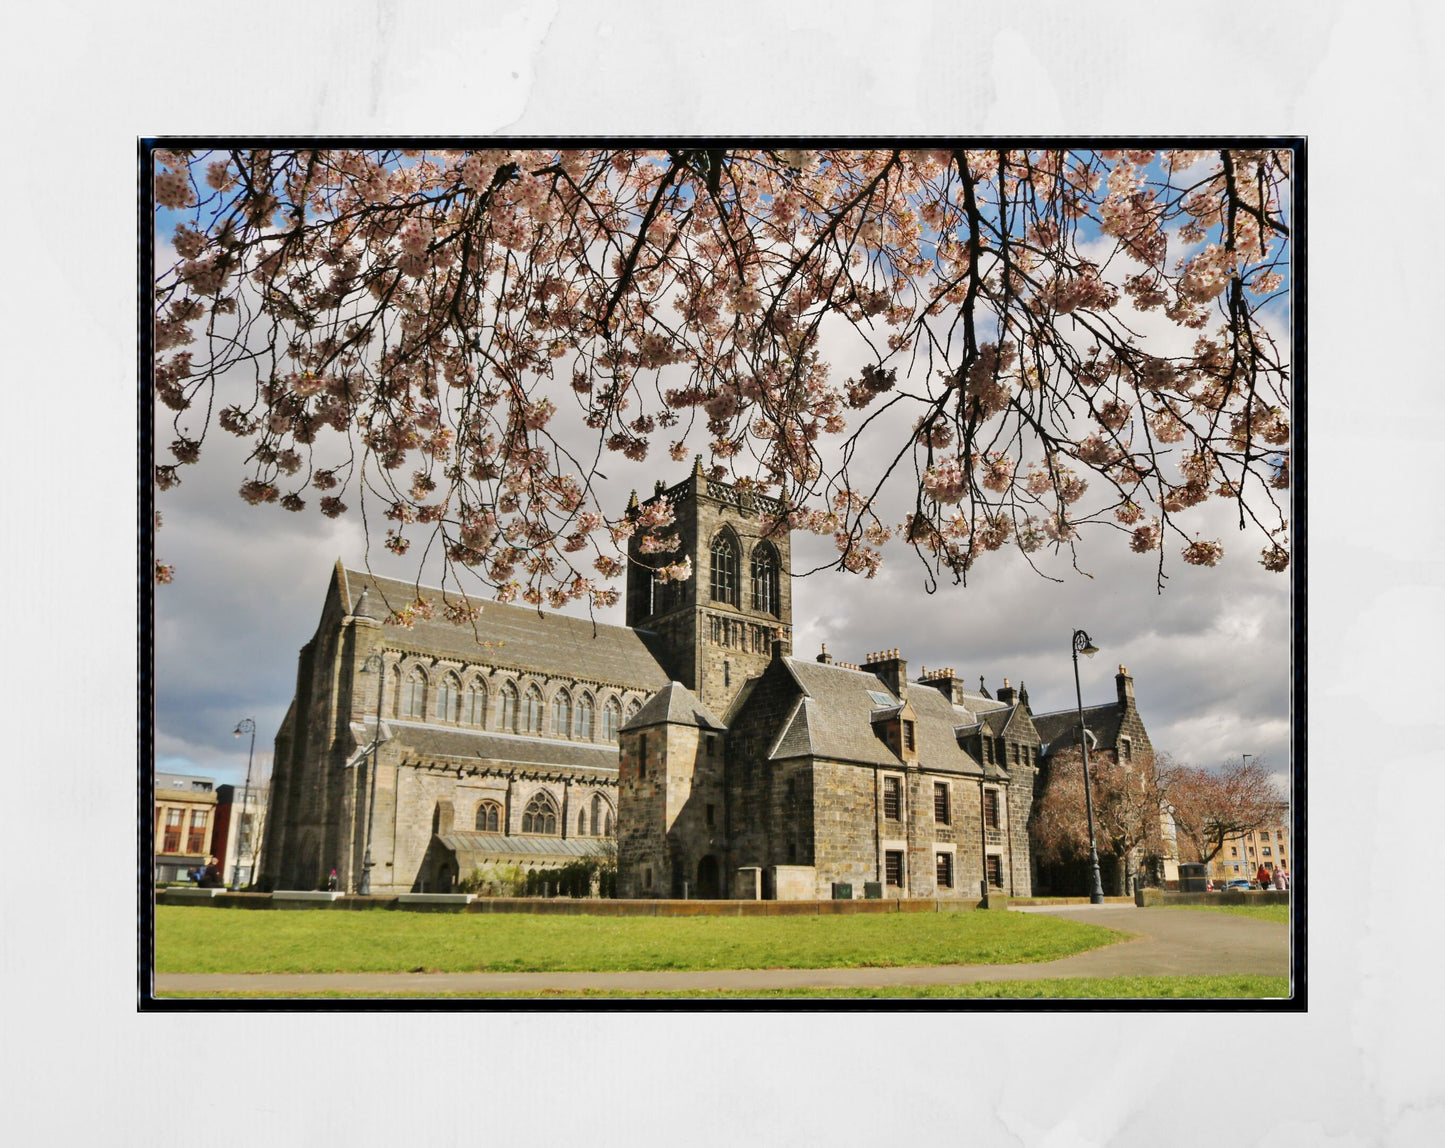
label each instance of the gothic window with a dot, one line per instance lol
(611, 719)
(765, 578)
(540, 816)
(582, 823)
(532, 710)
(583, 725)
(608, 831)
(596, 813)
(414, 695)
(562, 714)
(633, 710)
(474, 704)
(725, 569)
(509, 708)
(489, 817)
(448, 694)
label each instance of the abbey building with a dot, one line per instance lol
(689, 744)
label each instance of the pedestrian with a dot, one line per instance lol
(1285, 873)
(1277, 881)
(331, 882)
(211, 875)
(1262, 877)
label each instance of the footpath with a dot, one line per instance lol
(1166, 942)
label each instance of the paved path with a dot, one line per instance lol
(1168, 942)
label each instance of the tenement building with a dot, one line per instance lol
(690, 744)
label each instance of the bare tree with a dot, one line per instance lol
(400, 328)
(1211, 806)
(1129, 804)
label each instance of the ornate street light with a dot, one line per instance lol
(1082, 645)
(243, 726)
(376, 660)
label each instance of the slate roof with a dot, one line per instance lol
(1061, 729)
(674, 704)
(835, 720)
(556, 645)
(532, 845)
(504, 748)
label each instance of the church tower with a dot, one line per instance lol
(715, 631)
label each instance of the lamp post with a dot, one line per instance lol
(243, 726)
(1082, 645)
(364, 888)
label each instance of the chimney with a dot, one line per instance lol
(825, 657)
(1006, 694)
(781, 644)
(892, 669)
(945, 682)
(1125, 685)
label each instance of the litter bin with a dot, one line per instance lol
(1192, 877)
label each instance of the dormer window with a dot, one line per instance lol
(908, 743)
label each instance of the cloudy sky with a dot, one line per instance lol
(1210, 655)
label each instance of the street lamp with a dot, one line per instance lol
(1082, 645)
(364, 888)
(243, 726)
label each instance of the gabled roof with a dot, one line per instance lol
(1060, 730)
(674, 704)
(555, 645)
(834, 719)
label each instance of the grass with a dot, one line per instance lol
(1060, 988)
(1279, 913)
(195, 939)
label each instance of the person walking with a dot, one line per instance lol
(1277, 881)
(1262, 877)
(331, 882)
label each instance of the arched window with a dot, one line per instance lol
(582, 823)
(474, 704)
(765, 578)
(540, 816)
(633, 710)
(562, 714)
(509, 708)
(608, 832)
(611, 719)
(448, 695)
(489, 817)
(532, 710)
(583, 727)
(725, 569)
(596, 813)
(414, 695)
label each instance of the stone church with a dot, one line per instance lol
(690, 744)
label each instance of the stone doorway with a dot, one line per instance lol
(707, 878)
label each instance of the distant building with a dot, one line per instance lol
(240, 825)
(1243, 855)
(184, 823)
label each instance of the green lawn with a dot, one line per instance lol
(1062, 988)
(207, 940)
(1278, 913)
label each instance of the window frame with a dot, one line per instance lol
(724, 564)
(893, 860)
(943, 869)
(992, 814)
(941, 789)
(892, 795)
